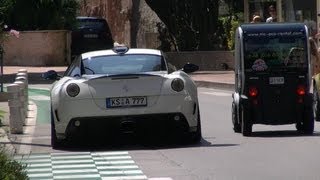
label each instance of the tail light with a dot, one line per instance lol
(253, 91)
(301, 90)
(73, 90)
(177, 84)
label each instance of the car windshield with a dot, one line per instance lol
(123, 64)
(275, 53)
(92, 23)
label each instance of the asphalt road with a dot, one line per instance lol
(274, 152)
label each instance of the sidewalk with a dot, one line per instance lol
(209, 79)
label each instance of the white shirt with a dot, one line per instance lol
(269, 20)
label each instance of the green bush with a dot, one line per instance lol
(230, 24)
(11, 169)
(1, 117)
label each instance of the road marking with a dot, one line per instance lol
(81, 165)
(25, 147)
(223, 94)
(40, 98)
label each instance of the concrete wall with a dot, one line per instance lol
(38, 48)
(206, 60)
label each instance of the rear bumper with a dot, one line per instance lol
(293, 114)
(161, 111)
(143, 125)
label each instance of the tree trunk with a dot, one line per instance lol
(134, 22)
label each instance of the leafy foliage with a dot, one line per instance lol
(11, 169)
(195, 25)
(39, 14)
(192, 23)
(230, 24)
(1, 116)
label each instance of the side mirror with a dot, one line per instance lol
(51, 75)
(189, 68)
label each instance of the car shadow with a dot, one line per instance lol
(281, 134)
(136, 144)
(26, 144)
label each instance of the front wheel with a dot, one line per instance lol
(55, 143)
(308, 122)
(197, 136)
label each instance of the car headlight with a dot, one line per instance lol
(73, 90)
(177, 84)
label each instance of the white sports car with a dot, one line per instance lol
(124, 90)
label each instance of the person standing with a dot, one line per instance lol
(273, 14)
(256, 19)
(314, 51)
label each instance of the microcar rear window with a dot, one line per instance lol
(275, 53)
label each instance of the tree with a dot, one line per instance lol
(134, 22)
(193, 23)
(39, 15)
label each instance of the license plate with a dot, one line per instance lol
(276, 80)
(126, 102)
(90, 35)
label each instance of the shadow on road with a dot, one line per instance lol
(28, 144)
(129, 143)
(282, 134)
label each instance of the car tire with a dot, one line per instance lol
(246, 125)
(197, 136)
(308, 122)
(55, 143)
(299, 127)
(316, 104)
(235, 122)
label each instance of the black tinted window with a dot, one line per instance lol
(74, 68)
(275, 53)
(92, 23)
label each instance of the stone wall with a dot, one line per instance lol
(52, 48)
(206, 60)
(38, 48)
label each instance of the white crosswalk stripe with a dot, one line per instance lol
(82, 165)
